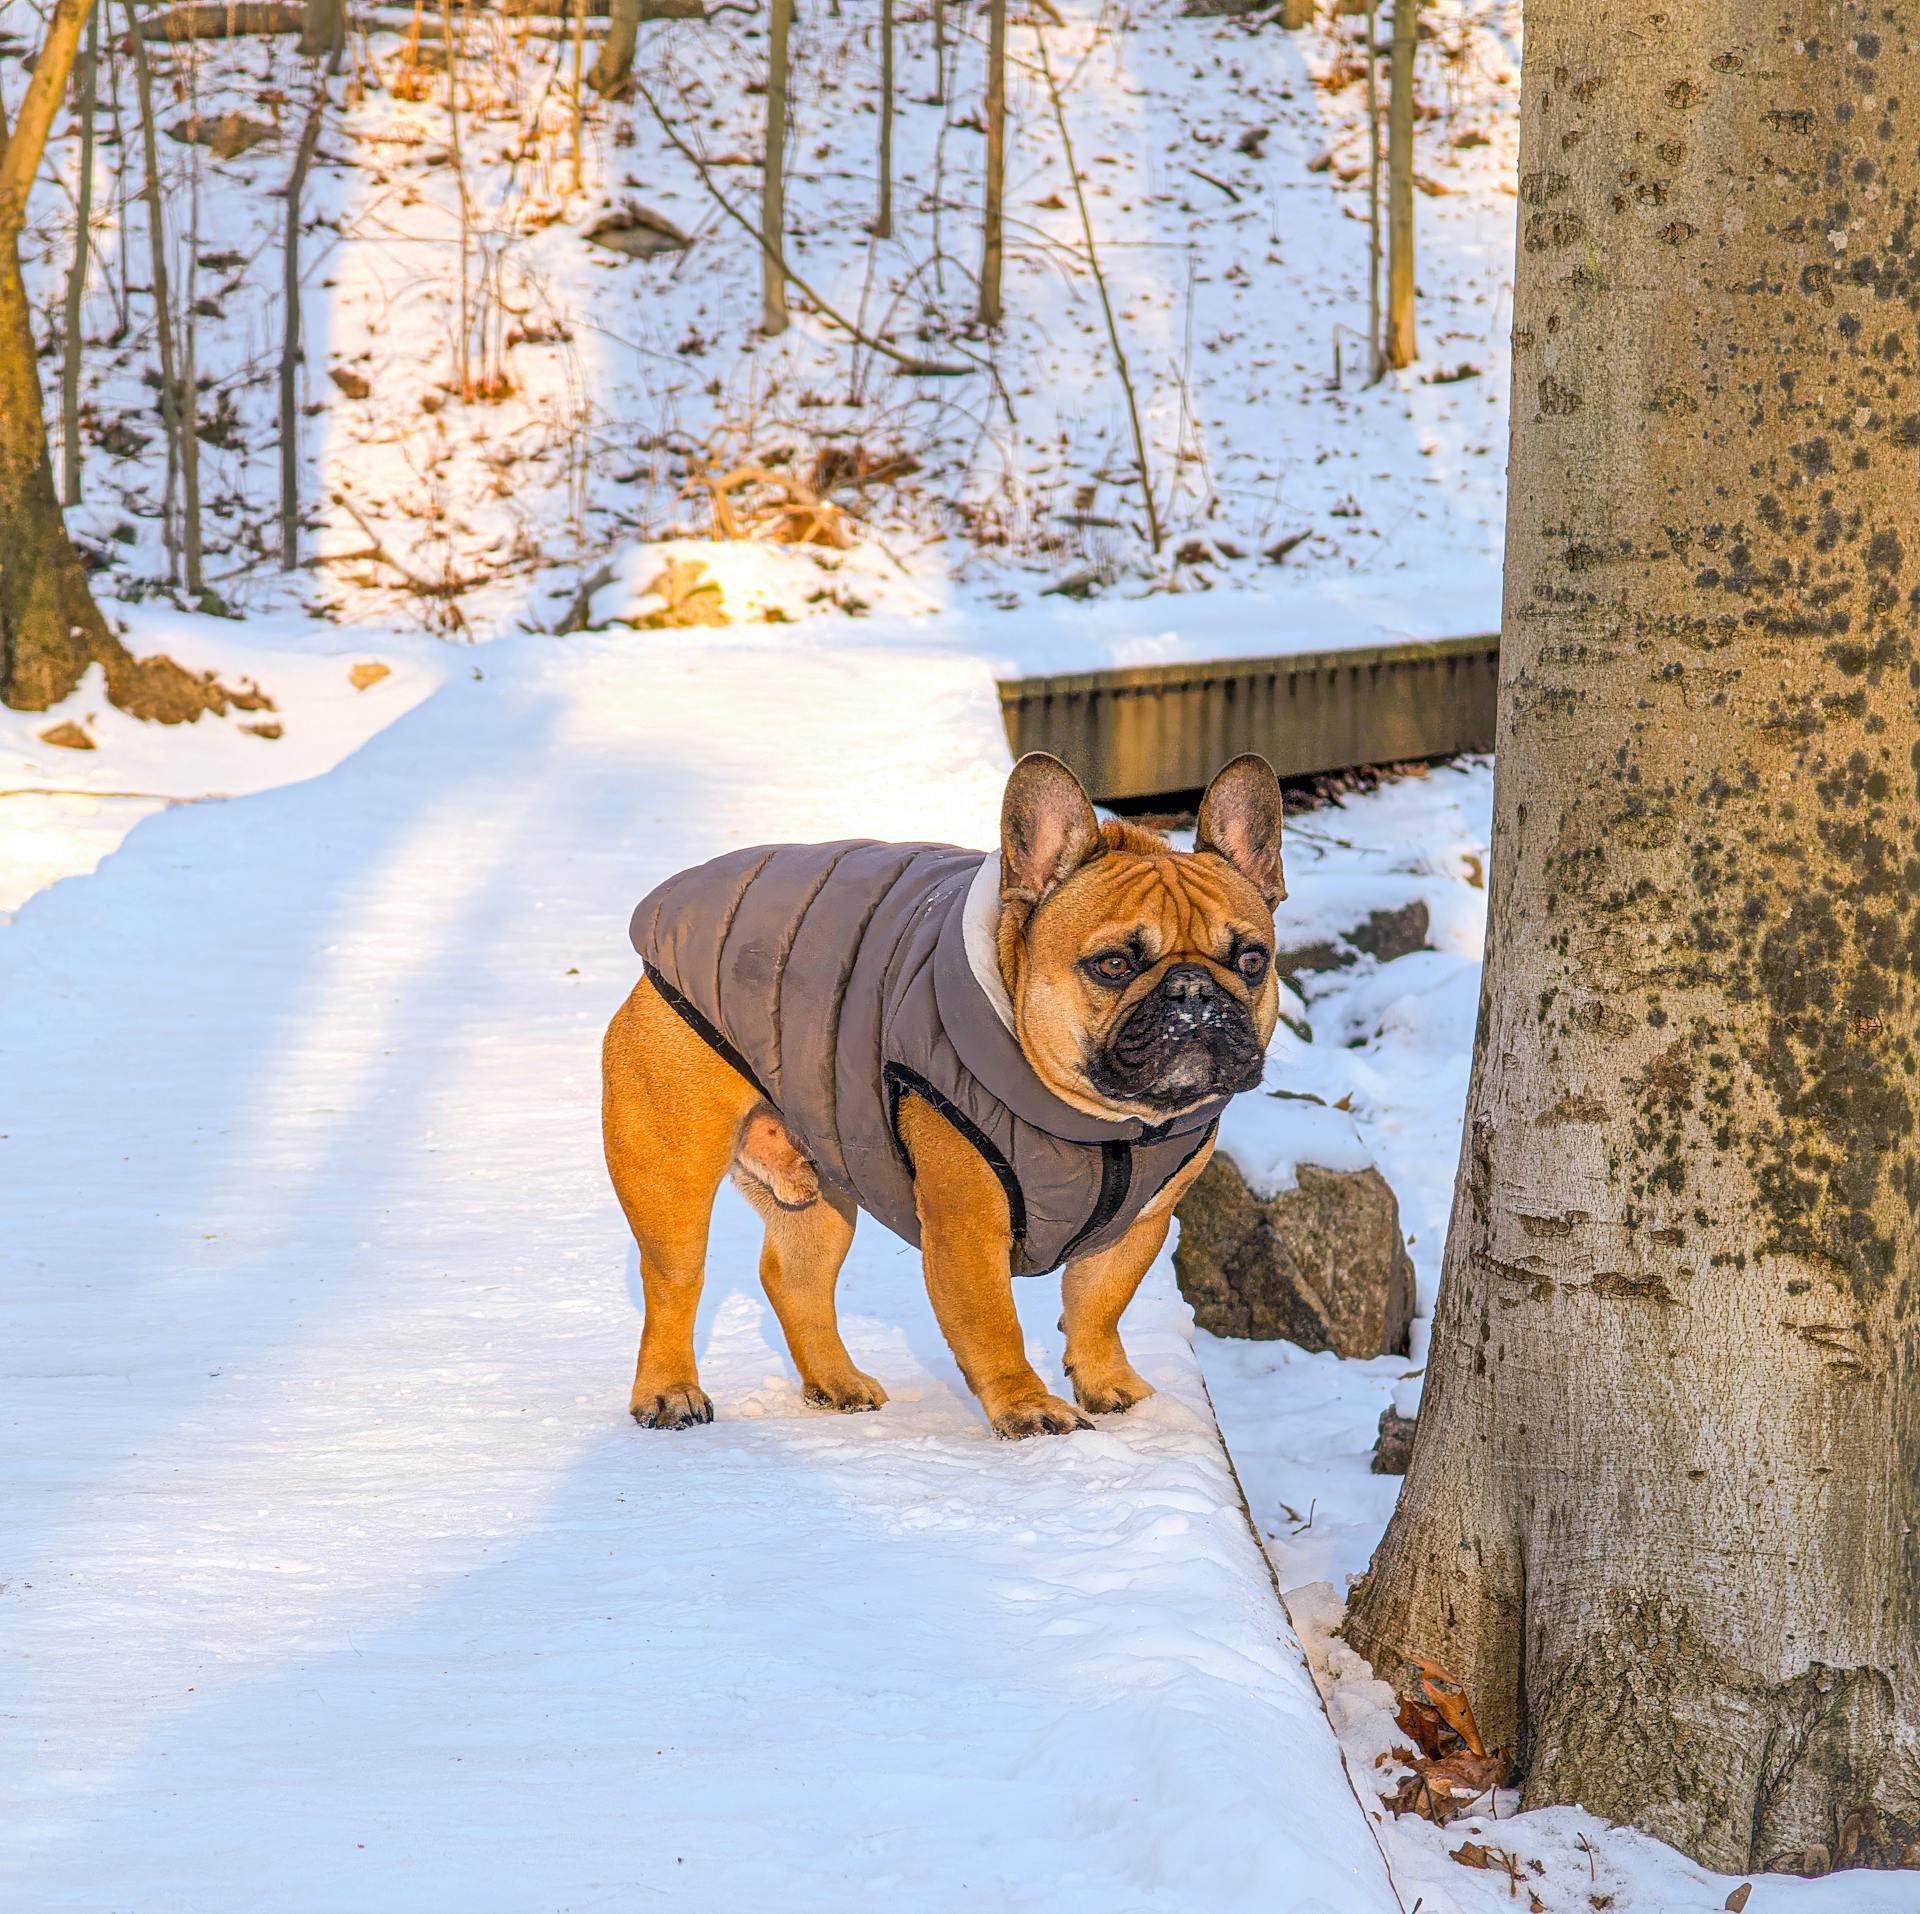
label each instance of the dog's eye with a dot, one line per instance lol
(1252, 962)
(1112, 967)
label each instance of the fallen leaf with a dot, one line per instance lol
(1740, 1896)
(268, 731)
(1472, 1854)
(355, 385)
(1425, 1726)
(68, 736)
(1450, 1699)
(369, 673)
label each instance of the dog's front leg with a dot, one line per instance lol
(966, 1239)
(1096, 1290)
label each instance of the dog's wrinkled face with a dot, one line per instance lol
(1141, 977)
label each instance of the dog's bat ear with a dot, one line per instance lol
(1047, 828)
(1240, 820)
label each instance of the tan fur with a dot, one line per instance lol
(678, 1119)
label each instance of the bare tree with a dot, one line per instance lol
(773, 192)
(162, 291)
(883, 215)
(290, 332)
(324, 30)
(1402, 346)
(1662, 1515)
(50, 628)
(86, 96)
(1376, 363)
(614, 65)
(993, 241)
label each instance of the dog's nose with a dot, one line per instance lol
(1190, 984)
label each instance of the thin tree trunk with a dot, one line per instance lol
(614, 66)
(579, 95)
(162, 295)
(773, 193)
(939, 54)
(1663, 1517)
(290, 334)
(1402, 347)
(188, 403)
(50, 628)
(324, 31)
(70, 342)
(1295, 14)
(462, 344)
(1373, 199)
(993, 242)
(883, 216)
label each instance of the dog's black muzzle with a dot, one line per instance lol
(1189, 1042)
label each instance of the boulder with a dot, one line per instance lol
(1393, 1445)
(1385, 935)
(1323, 1264)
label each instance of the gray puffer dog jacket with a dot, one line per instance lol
(835, 978)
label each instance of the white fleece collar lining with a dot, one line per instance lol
(980, 924)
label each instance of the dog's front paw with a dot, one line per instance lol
(849, 1394)
(1036, 1415)
(1109, 1392)
(678, 1407)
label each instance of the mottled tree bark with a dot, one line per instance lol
(1663, 1518)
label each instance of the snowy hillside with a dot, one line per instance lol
(493, 404)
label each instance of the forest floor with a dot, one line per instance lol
(335, 1574)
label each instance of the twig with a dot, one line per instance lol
(1100, 284)
(920, 368)
(1211, 181)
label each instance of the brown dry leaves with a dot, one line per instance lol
(1499, 1861)
(1453, 1768)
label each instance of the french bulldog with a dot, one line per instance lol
(1016, 1063)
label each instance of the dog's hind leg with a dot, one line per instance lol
(809, 1232)
(671, 1110)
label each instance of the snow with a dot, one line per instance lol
(63, 809)
(337, 1575)
(603, 386)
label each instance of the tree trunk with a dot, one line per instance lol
(50, 628)
(614, 67)
(993, 245)
(773, 194)
(1376, 364)
(1663, 1519)
(883, 215)
(579, 95)
(324, 29)
(162, 292)
(290, 332)
(1401, 346)
(86, 96)
(1295, 14)
(939, 97)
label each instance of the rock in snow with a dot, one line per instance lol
(1322, 1264)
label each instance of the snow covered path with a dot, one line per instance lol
(335, 1576)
